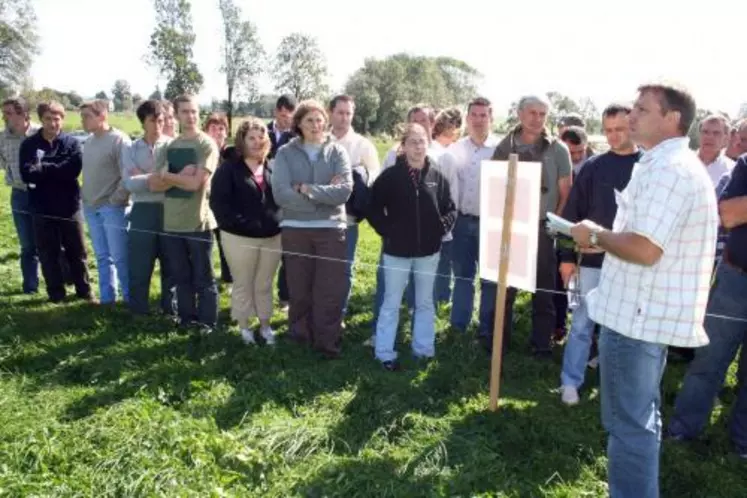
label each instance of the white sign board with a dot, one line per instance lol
(522, 265)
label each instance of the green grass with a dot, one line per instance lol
(94, 402)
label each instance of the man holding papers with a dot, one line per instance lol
(654, 282)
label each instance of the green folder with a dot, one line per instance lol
(178, 158)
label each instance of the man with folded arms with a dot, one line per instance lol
(654, 283)
(50, 163)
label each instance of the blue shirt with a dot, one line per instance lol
(735, 250)
(51, 170)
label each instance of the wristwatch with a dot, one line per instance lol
(593, 239)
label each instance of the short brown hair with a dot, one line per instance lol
(340, 98)
(446, 120)
(303, 109)
(98, 107)
(716, 117)
(428, 110)
(251, 124)
(216, 118)
(167, 106)
(674, 97)
(53, 107)
(479, 102)
(185, 97)
(18, 104)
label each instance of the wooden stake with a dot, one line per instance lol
(500, 298)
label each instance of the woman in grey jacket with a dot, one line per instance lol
(311, 182)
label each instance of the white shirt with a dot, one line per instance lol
(718, 167)
(465, 157)
(361, 151)
(669, 200)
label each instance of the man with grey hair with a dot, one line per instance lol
(714, 134)
(533, 142)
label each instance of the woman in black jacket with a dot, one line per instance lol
(242, 202)
(412, 209)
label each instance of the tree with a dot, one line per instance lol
(592, 116)
(19, 43)
(75, 99)
(171, 45)
(137, 99)
(694, 132)
(385, 88)
(242, 56)
(102, 96)
(156, 95)
(300, 67)
(122, 96)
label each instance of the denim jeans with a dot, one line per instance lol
(351, 238)
(442, 289)
(381, 290)
(189, 256)
(630, 374)
(705, 375)
(107, 226)
(145, 246)
(576, 353)
(24, 222)
(397, 274)
(466, 251)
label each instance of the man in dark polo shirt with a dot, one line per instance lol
(531, 140)
(706, 373)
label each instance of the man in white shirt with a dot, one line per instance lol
(714, 135)
(654, 283)
(362, 153)
(465, 157)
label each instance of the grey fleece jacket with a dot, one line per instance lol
(324, 201)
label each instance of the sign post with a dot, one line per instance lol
(500, 298)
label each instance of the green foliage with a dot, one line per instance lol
(96, 402)
(171, 45)
(19, 43)
(122, 95)
(300, 67)
(385, 88)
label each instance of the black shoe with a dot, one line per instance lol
(391, 366)
(542, 354)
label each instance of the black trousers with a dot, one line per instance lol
(52, 235)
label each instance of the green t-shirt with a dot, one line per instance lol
(189, 211)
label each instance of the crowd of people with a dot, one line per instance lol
(657, 261)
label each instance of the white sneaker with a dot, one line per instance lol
(229, 290)
(268, 335)
(569, 395)
(248, 336)
(369, 342)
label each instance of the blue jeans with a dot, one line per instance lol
(466, 251)
(24, 222)
(705, 375)
(352, 242)
(381, 290)
(442, 290)
(189, 256)
(576, 353)
(630, 374)
(397, 274)
(107, 226)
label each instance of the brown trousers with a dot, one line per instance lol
(315, 271)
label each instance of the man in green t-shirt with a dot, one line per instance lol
(184, 169)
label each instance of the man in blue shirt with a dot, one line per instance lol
(725, 325)
(50, 162)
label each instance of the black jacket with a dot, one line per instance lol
(275, 142)
(53, 188)
(239, 205)
(411, 221)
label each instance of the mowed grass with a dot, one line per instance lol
(94, 402)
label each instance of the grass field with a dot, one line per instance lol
(94, 402)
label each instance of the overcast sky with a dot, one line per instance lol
(582, 48)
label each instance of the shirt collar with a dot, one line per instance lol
(490, 143)
(664, 148)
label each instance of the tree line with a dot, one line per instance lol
(383, 88)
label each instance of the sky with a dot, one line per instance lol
(583, 48)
